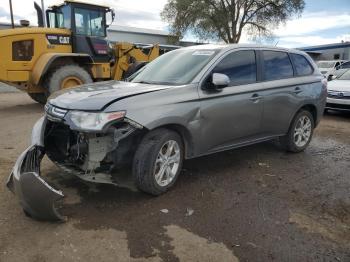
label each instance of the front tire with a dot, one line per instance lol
(300, 132)
(158, 161)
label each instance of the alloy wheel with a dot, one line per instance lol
(302, 131)
(167, 163)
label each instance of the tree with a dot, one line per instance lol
(226, 19)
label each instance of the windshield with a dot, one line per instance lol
(345, 76)
(177, 67)
(325, 64)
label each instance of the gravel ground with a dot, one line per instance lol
(252, 204)
(7, 89)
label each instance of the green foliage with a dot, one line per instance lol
(226, 19)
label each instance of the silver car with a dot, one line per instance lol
(187, 103)
(328, 66)
(339, 92)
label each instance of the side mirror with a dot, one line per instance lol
(331, 77)
(220, 80)
(110, 17)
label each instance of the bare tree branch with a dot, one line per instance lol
(228, 19)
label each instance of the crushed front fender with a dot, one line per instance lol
(36, 196)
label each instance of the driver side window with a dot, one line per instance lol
(89, 22)
(239, 66)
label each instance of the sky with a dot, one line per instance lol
(322, 21)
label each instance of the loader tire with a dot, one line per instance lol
(133, 68)
(67, 76)
(38, 97)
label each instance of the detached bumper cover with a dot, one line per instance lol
(36, 196)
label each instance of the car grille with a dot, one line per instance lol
(55, 113)
(338, 94)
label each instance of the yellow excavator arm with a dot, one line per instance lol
(126, 54)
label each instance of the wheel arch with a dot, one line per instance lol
(185, 135)
(50, 60)
(308, 107)
(312, 109)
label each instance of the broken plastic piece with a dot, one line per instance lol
(36, 196)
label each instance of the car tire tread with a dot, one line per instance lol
(146, 153)
(287, 141)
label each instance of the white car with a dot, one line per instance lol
(339, 70)
(327, 66)
(339, 93)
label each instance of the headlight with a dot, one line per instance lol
(94, 121)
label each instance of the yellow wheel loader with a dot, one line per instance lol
(71, 50)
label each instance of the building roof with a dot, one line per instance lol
(130, 29)
(324, 47)
(313, 52)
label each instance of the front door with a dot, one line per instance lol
(89, 34)
(231, 115)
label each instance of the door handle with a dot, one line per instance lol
(255, 98)
(297, 90)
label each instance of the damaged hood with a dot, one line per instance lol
(97, 96)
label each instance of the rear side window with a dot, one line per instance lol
(301, 65)
(345, 65)
(277, 65)
(239, 66)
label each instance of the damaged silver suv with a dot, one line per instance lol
(187, 103)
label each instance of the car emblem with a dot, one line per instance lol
(340, 94)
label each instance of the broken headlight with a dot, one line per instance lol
(90, 121)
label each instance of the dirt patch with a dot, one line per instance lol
(185, 243)
(335, 231)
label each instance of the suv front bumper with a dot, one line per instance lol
(37, 198)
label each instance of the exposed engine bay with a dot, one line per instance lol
(89, 155)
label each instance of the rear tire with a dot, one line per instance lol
(38, 97)
(66, 77)
(300, 132)
(158, 161)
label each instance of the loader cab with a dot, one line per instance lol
(88, 26)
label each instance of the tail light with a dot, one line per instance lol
(22, 50)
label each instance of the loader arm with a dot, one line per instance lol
(127, 54)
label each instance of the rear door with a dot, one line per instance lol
(233, 114)
(284, 89)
